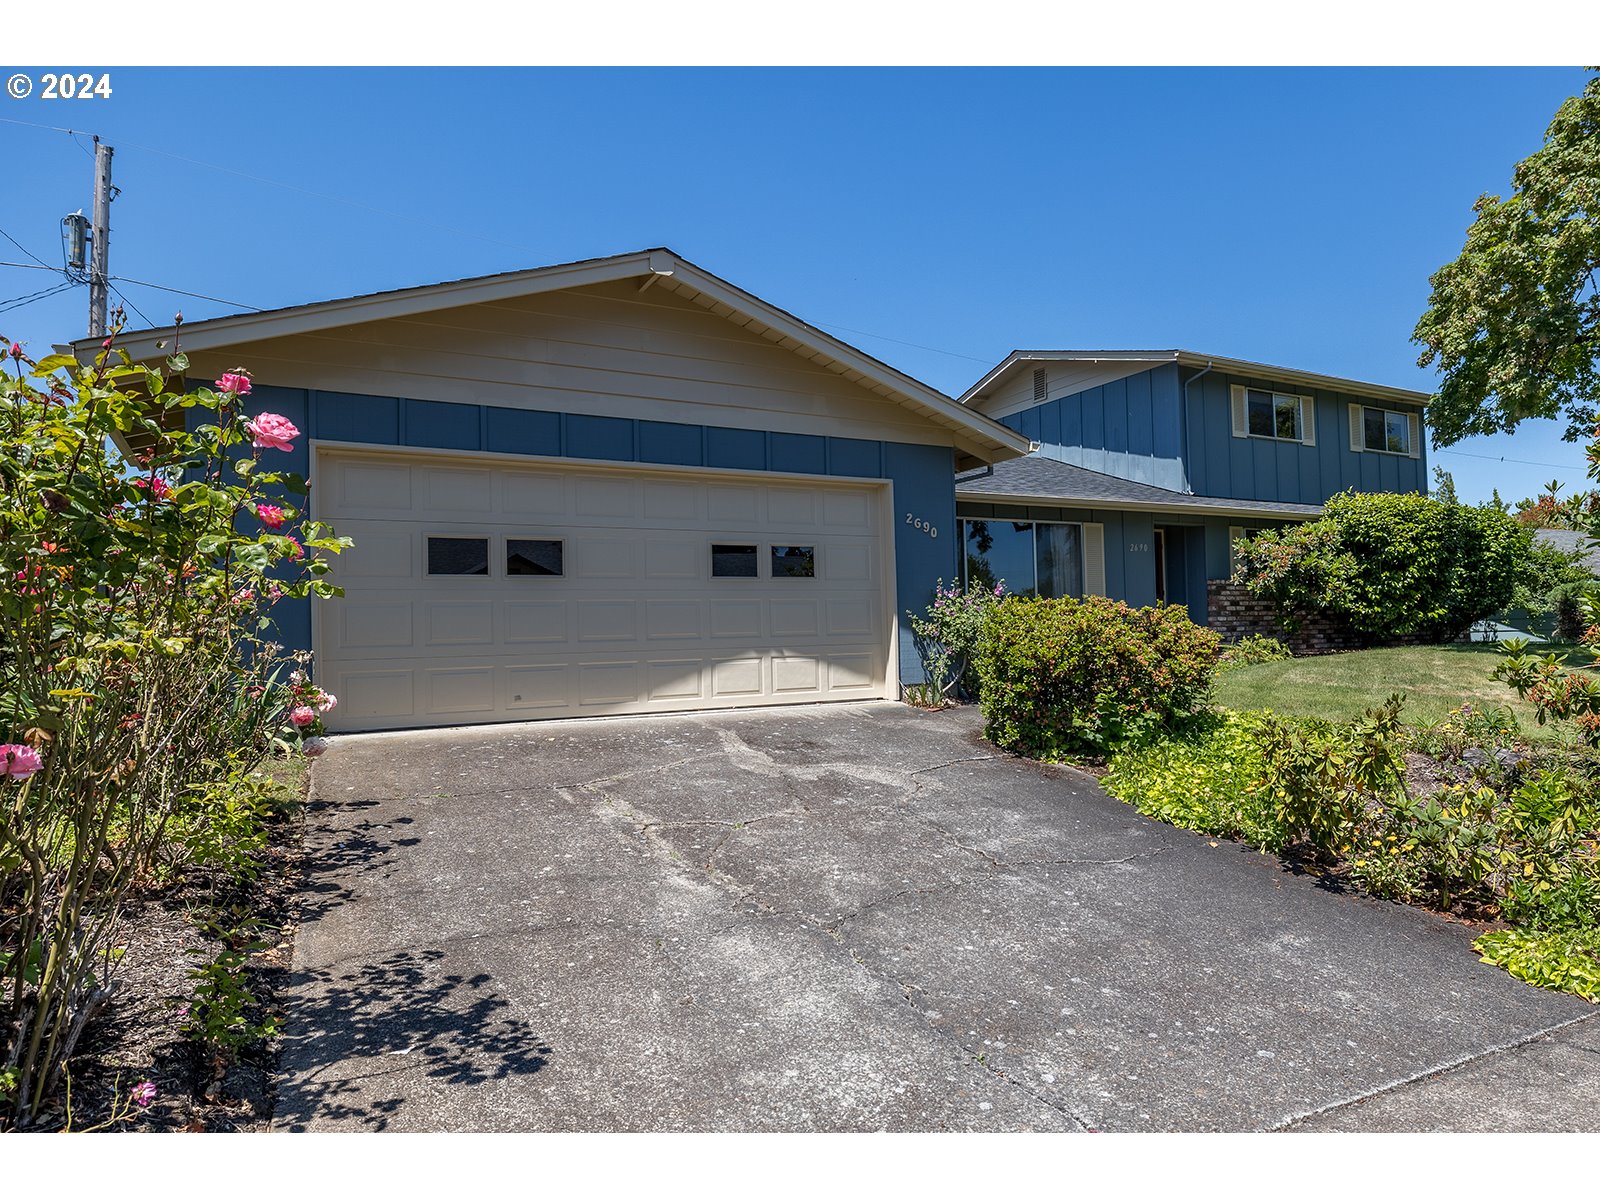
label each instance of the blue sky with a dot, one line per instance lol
(936, 218)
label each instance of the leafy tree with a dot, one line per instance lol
(1514, 322)
(1444, 486)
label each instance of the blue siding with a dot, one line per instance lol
(1262, 469)
(921, 477)
(1129, 427)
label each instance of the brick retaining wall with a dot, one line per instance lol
(1234, 613)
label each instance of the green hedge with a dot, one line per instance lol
(1060, 678)
(1392, 564)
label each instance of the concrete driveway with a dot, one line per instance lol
(849, 917)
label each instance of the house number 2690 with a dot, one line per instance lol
(924, 526)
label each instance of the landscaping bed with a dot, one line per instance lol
(140, 1035)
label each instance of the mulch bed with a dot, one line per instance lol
(138, 1036)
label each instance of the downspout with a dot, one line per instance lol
(1188, 430)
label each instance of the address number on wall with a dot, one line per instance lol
(918, 523)
(1138, 547)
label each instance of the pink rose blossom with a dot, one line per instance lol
(327, 703)
(18, 761)
(270, 515)
(236, 382)
(158, 486)
(16, 350)
(272, 432)
(296, 550)
(302, 715)
(143, 1094)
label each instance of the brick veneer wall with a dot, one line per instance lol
(1234, 613)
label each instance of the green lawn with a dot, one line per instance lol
(1435, 679)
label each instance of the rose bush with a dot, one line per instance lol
(138, 670)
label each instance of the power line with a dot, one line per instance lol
(180, 292)
(121, 295)
(898, 342)
(32, 267)
(24, 301)
(26, 251)
(1522, 462)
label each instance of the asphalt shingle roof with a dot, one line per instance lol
(1037, 478)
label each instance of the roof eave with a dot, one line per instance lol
(976, 497)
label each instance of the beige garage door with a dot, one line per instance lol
(486, 591)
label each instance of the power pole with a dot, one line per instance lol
(100, 243)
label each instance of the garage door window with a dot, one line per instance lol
(733, 561)
(533, 556)
(794, 562)
(458, 556)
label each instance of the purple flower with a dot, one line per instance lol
(143, 1094)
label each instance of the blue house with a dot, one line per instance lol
(1150, 464)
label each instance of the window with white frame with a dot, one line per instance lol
(1032, 558)
(1276, 416)
(1386, 432)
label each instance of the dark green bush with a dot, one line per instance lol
(1392, 564)
(1081, 677)
(1252, 650)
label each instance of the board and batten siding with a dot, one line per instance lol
(1245, 468)
(1127, 425)
(608, 350)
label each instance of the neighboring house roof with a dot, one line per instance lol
(1040, 480)
(1572, 541)
(1189, 358)
(981, 438)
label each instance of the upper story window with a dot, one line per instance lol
(1385, 431)
(1279, 416)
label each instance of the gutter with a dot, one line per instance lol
(1188, 430)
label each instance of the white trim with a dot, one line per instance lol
(1187, 510)
(1187, 358)
(977, 434)
(1094, 559)
(1305, 415)
(1413, 431)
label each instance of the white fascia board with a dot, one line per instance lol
(329, 314)
(1133, 506)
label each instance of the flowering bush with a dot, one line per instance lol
(136, 662)
(1071, 677)
(947, 636)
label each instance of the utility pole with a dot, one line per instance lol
(100, 243)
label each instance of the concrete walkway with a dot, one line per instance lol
(857, 917)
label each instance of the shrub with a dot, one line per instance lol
(1567, 962)
(947, 638)
(1252, 650)
(1321, 779)
(136, 667)
(1391, 564)
(1205, 778)
(1072, 677)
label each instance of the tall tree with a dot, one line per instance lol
(1514, 322)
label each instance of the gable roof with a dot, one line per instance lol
(1040, 480)
(1189, 358)
(975, 434)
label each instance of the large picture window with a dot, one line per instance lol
(1032, 558)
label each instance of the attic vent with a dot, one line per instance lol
(1040, 390)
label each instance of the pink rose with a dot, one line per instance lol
(157, 485)
(235, 382)
(302, 715)
(270, 515)
(143, 1094)
(18, 761)
(327, 702)
(16, 350)
(296, 550)
(272, 432)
